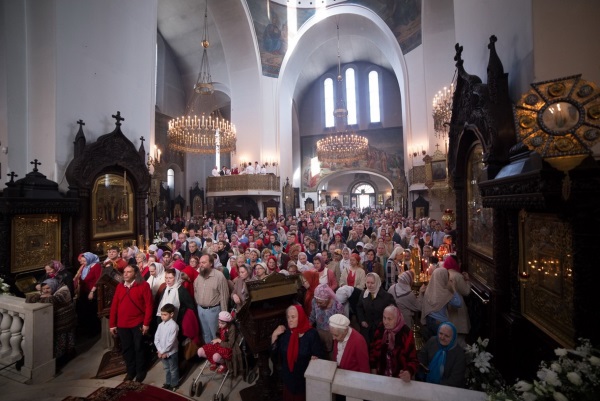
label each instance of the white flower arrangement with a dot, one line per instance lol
(4, 288)
(574, 376)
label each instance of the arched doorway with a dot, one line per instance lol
(362, 196)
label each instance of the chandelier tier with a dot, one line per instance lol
(202, 134)
(341, 147)
(442, 111)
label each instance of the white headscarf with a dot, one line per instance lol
(377, 279)
(155, 282)
(171, 295)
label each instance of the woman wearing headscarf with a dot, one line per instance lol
(460, 281)
(295, 346)
(310, 282)
(65, 319)
(240, 293)
(345, 261)
(438, 295)
(372, 264)
(444, 358)
(326, 276)
(370, 306)
(56, 270)
(260, 271)
(157, 277)
(354, 275)
(87, 276)
(392, 352)
(405, 298)
(185, 309)
(324, 305)
(142, 262)
(188, 276)
(303, 263)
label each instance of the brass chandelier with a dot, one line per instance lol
(341, 147)
(202, 134)
(442, 111)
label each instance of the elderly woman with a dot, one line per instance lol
(371, 305)
(65, 319)
(303, 263)
(142, 262)
(392, 350)
(56, 270)
(295, 346)
(405, 298)
(394, 266)
(324, 305)
(444, 358)
(459, 281)
(240, 293)
(438, 295)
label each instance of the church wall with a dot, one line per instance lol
(564, 39)
(438, 54)
(417, 137)
(511, 22)
(105, 55)
(170, 97)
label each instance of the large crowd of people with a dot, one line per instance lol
(367, 279)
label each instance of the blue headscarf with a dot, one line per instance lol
(436, 366)
(90, 260)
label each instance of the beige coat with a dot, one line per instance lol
(460, 316)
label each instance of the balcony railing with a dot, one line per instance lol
(247, 183)
(26, 332)
(323, 378)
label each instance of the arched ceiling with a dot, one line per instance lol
(180, 22)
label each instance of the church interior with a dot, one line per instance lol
(482, 114)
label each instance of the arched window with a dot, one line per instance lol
(363, 196)
(374, 111)
(351, 96)
(328, 99)
(171, 181)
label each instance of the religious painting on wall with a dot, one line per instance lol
(385, 157)
(198, 212)
(35, 241)
(274, 21)
(112, 207)
(546, 274)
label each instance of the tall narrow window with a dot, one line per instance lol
(171, 181)
(351, 96)
(375, 114)
(328, 98)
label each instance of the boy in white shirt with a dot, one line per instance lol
(166, 343)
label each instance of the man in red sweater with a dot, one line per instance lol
(350, 349)
(130, 316)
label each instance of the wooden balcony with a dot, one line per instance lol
(243, 184)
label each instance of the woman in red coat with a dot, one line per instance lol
(354, 353)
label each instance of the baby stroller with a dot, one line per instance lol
(239, 354)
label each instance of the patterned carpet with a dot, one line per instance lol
(130, 391)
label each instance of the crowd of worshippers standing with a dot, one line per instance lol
(357, 304)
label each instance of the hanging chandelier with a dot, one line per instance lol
(442, 111)
(342, 146)
(202, 134)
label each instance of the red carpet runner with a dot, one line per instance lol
(130, 391)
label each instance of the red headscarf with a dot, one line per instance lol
(303, 327)
(312, 277)
(179, 265)
(450, 264)
(276, 268)
(192, 274)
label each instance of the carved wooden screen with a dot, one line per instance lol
(546, 275)
(480, 233)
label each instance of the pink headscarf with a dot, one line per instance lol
(389, 335)
(324, 292)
